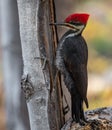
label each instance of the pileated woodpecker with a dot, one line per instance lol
(71, 61)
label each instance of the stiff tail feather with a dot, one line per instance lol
(86, 102)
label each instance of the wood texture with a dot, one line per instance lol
(38, 45)
(99, 119)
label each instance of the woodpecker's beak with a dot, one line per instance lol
(68, 25)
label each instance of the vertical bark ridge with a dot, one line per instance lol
(56, 86)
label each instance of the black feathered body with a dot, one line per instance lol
(71, 61)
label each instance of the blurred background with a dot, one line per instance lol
(99, 38)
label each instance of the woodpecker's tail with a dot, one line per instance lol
(86, 102)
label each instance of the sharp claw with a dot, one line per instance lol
(66, 110)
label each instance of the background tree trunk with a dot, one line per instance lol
(37, 82)
(16, 111)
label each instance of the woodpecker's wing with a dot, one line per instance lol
(75, 56)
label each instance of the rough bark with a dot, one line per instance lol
(57, 86)
(99, 119)
(12, 65)
(37, 82)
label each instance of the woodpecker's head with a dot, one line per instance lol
(75, 22)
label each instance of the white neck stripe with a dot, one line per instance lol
(70, 35)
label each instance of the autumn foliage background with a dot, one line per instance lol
(98, 35)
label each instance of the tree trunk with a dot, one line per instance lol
(13, 65)
(39, 74)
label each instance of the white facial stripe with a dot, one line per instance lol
(70, 35)
(80, 28)
(78, 31)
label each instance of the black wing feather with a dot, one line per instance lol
(75, 55)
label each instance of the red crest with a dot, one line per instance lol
(77, 18)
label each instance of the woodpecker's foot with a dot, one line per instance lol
(44, 61)
(66, 110)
